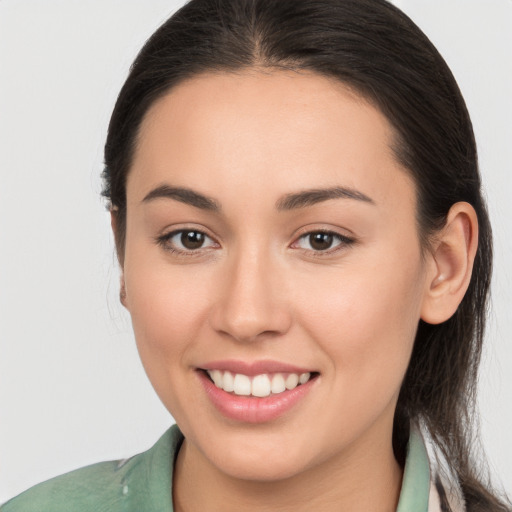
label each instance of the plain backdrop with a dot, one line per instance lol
(72, 390)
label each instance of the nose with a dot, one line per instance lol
(252, 302)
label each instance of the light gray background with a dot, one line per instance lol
(72, 390)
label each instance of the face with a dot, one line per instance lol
(272, 269)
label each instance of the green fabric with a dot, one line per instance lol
(140, 484)
(416, 479)
(143, 483)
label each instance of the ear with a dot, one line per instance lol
(114, 225)
(451, 264)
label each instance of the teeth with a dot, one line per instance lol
(278, 385)
(228, 382)
(242, 385)
(260, 385)
(216, 376)
(304, 377)
(291, 381)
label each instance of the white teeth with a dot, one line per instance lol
(216, 376)
(228, 383)
(242, 385)
(304, 377)
(278, 383)
(291, 381)
(260, 385)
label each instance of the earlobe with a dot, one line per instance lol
(122, 291)
(451, 264)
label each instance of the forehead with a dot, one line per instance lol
(279, 129)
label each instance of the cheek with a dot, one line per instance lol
(365, 317)
(168, 310)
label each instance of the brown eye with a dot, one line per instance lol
(192, 239)
(321, 241)
(186, 241)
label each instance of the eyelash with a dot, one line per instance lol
(165, 242)
(343, 242)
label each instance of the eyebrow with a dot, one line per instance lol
(288, 202)
(310, 197)
(184, 195)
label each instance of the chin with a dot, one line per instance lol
(262, 456)
(263, 470)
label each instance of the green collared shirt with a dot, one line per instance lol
(143, 483)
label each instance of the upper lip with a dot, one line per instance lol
(253, 368)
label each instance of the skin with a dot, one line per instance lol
(258, 290)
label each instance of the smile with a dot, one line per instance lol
(259, 386)
(255, 392)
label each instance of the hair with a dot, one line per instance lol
(376, 50)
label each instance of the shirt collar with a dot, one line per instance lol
(414, 494)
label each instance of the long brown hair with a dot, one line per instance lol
(376, 49)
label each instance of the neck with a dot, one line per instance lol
(366, 477)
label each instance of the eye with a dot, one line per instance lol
(322, 241)
(186, 240)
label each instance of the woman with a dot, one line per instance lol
(305, 255)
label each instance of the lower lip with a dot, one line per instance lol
(249, 409)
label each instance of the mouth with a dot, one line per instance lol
(256, 393)
(259, 386)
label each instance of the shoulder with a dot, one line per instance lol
(142, 480)
(84, 488)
